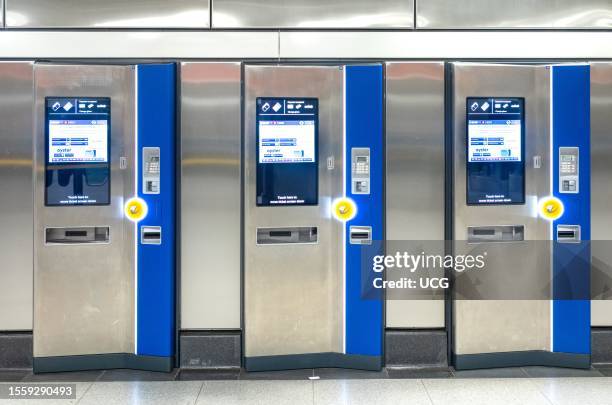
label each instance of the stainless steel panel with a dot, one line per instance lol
(526, 324)
(312, 14)
(434, 45)
(84, 293)
(293, 293)
(107, 14)
(138, 44)
(601, 183)
(16, 101)
(210, 195)
(415, 172)
(445, 14)
(2, 16)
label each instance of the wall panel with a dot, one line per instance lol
(474, 14)
(601, 188)
(107, 14)
(210, 195)
(16, 224)
(415, 175)
(313, 14)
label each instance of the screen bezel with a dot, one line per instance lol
(79, 165)
(523, 161)
(303, 164)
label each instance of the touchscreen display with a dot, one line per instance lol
(77, 148)
(495, 151)
(287, 167)
(78, 141)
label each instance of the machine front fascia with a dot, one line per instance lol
(522, 244)
(302, 293)
(102, 299)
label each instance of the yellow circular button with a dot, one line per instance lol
(136, 209)
(551, 208)
(344, 209)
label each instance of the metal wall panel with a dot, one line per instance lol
(87, 289)
(211, 195)
(312, 14)
(474, 14)
(601, 184)
(107, 14)
(16, 104)
(415, 173)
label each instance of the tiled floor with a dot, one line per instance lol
(529, 385)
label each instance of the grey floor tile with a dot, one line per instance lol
(488, 391)
(570, 391)
(73, 376)
(256, 393)
(302, 374)
(138, 375)
(418, 373)
(81, 390)
(13, 375)
(142, 392)
(551, 372)
(348, 374)
(370, 392)
(509, 372)
(215, 374)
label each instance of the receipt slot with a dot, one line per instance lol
(103, 273)
(313, 192)
(521, 196)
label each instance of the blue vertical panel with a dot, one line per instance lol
(156, 263)
(364, 128)
(571, 262)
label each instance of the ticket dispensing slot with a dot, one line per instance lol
(568, 233)
(66, 236)
(281, 236)
(150, 170)
(150, 235)
(503, 233)
(361, 235)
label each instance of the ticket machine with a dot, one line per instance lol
(104, 271)
(313, 151)
(522, 201)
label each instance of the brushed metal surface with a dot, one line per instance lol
(312, 14)
(415, 173)
(601, 183)
(210, 195)
(107, 14)
(474, 14)
(436, 45)
(478, 326)
(84, 294)
(138, 44)
(335, 45)
(16, 103)
(293, 293)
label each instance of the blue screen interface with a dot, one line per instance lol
(287, 148)
(495, 150)
(77, 149)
